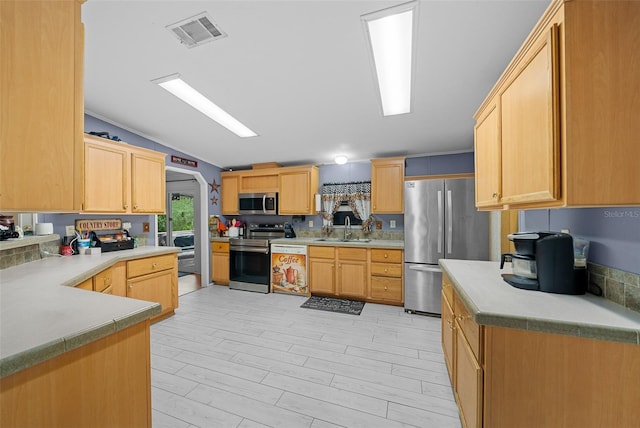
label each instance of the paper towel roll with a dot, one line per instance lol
(44, 228)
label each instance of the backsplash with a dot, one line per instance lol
(356, 234)
(618, 286)
(17, 256)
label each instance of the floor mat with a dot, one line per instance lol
(331, 304)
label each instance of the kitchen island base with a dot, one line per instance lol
(535, 379)
(106, 383)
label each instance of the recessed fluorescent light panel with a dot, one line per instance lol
(195, 99)
(392, 35)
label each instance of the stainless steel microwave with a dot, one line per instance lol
(258, 203)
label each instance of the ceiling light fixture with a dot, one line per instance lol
(392, 35)
(341, 160)
(195, 99)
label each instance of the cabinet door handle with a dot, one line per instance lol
(385, 270)
(386, 255)
(135, 207)
(125, 206)
(153, 265)
(385, 288)
(451, 324)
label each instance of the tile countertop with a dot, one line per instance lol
(42, 315)
(493, 302)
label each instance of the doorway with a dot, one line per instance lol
(179, 224)
(185, 224)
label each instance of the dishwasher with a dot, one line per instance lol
(289, 269)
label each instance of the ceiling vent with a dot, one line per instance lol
(196, 31)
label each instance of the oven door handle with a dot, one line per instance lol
(250, 250)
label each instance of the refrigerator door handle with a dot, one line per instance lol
(449, 222)
(425, 268)
(440, 221)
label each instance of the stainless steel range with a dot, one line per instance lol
(250, 258)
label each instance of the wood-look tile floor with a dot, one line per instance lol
(231, 358)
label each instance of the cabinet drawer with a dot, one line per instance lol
(220, 247)
(86, 284)
(103, 280)
(345, 253)
(386, 269)
(468, 326)
(386, 256)
(322, 252)
(386, 288)
(150, 264)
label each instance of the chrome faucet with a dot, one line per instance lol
(347, 228)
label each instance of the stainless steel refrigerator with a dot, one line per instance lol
(440, 222)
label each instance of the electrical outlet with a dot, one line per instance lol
(310, 223)
(69, 230)
(564, 230)
(392, 224)
(145, 226)
(378, 225)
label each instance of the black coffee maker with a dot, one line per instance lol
(288, 231)
(543, 261)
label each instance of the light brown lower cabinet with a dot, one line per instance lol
(220, 263)
(386, 276)
(322, 265)
(154, 279)
(369, 274)
(461, 344)
(112, 280)
(505, 377)
(351, 272)
(86, 284)
(106, 383)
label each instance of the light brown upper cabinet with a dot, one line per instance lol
(41, 106)
(488, 156)
(298, 187)
(120, 178)
(560, 127)
(387, 186)
(229, 193)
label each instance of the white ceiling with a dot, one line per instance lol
(298, 74)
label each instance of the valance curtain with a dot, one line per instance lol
(357, 194)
